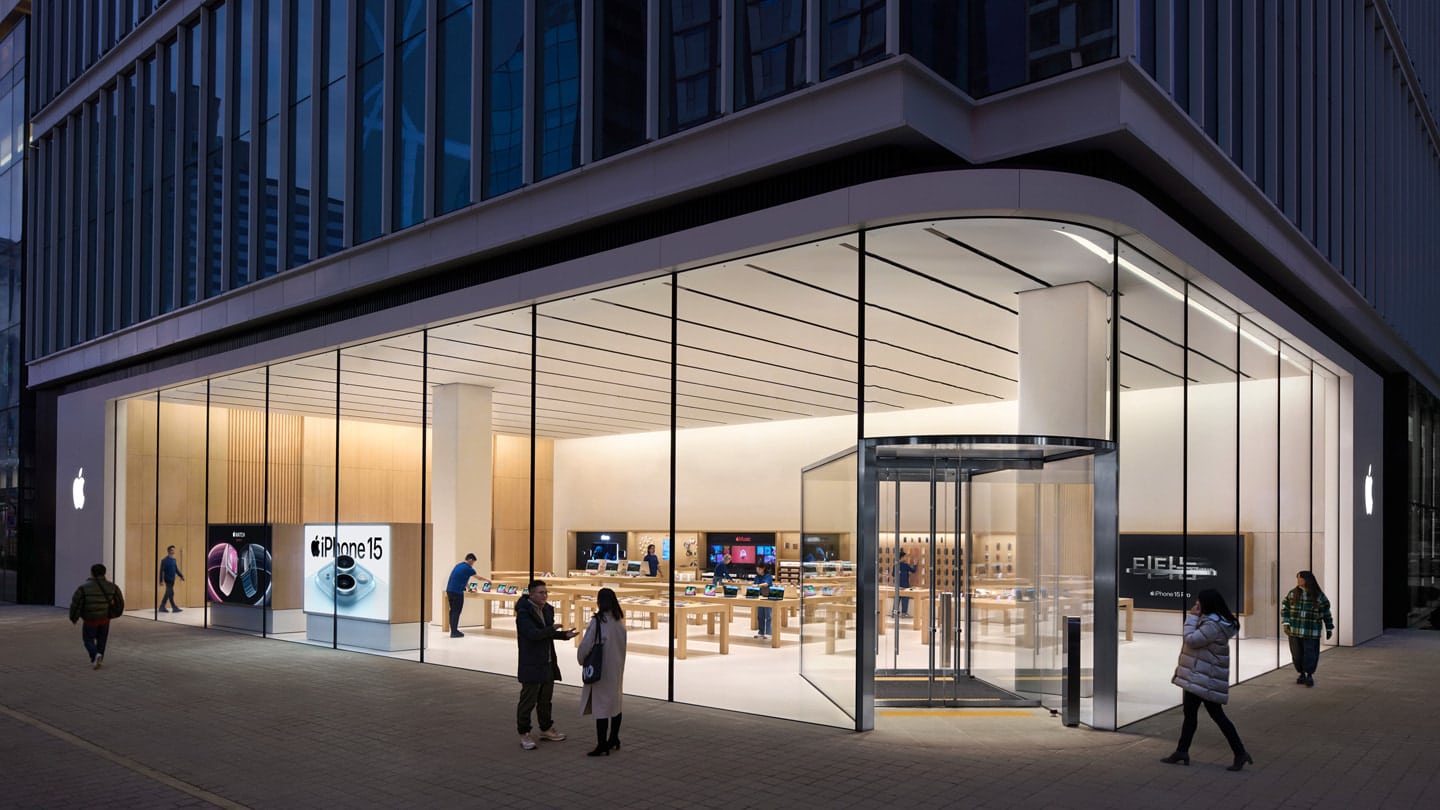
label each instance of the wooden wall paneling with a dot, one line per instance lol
(409, 580)
(246, 485)
(287, 562)
(218, 467)
(318, 476)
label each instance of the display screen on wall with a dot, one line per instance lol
(600, 546)
(347, 570)
(238, 564)
(819, 547)
(1164, 571)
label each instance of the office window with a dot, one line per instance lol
(853, 35)
(409, 173)
(619, 69)
(503, 118)
(452, 74)
(190, 174)
(242, 174)
(267, 190)
(370, 123)
(145, 271)
(169, 98)
(215, 157)
(769, 49)
(301, 47)
(689, 63)
(557, 87)
(330, 199)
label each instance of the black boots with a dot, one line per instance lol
(1181, 757)
(614, 741)
(1241, 759)
(602, 745)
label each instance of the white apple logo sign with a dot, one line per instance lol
(1369, 490)
(77, 489)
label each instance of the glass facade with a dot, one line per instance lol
(14, 496)
(271, 154)
(568, 436)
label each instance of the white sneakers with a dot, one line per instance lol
(552, 734)
(99, 659)
(527, 742)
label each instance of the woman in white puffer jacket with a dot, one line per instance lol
(1204, 674)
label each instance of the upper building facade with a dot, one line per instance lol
(652, 239)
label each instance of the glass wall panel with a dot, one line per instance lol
(144, 161)
(167, 273)
(409, 182)
(375, 568)
(301, 48)
(180, 504)
(239, 566)
(193, 208)
(1324, 489)
(769, 399)
(557, 87)
(602, 426)
(689, 91)
(300, 497)
(453, 75)
(369, 118)
(1296, 450)
(216, 49)
(1259, 475)
(1212, 458)
(135, 562)
(853, 35)
(241, 176)
(330, 201)
(268, 191)
(1152, 447)
(828, 659)
(479, 377)
(769, 49)
(503, 121)
(621, 45)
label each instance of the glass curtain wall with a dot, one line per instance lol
(327, 499)
(766, 377)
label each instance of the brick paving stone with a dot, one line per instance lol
(265, 723)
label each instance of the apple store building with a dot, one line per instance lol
(919, 425)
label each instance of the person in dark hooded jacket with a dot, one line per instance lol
(1204, 674)
(92, 603)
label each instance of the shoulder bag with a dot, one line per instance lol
(595, 660)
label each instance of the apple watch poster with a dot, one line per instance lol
(347, 570)
(238, 569)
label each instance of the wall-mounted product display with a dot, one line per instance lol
(600, 546)
(347, 570)
(238, 567)
(819, 547)
(1165, 571)
(745, 549)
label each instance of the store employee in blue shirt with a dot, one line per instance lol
(460, 576)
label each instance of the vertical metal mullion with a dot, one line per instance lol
(652, 82)
(335, 526)
(866, 582)
(892, 25)
(259, 66)
(1224, 80)
(159, 55)
(390, 65)
(527, 104)
(1185, 436)
(155, 599)
(813, 29)
(1279, 482)
(587, 81)
(435, 140)
(284, 121)
(534, 406)
(725, 61)
(352, 137)
(424, 479)
(674, 448)
(478, 72)
(319, 91)
(205, 616)
(267, 611)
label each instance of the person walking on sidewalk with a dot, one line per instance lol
(460, 577)
(536, 633)
(603, 698)
(1302, 613)
(96, 602)
(169, 570)
(1204, 674)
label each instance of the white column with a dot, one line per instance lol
(1063, 339)
(461, 486)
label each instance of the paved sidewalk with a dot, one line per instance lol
(181, 717)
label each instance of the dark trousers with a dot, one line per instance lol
(95, 638)
(457, 601)
(534, 697)
(765, 619)
(1305, 654)
(169, 596)
(1217, 713)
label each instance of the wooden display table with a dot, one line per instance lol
(683, 611)
(489, 599)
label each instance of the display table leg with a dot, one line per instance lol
(725, 619)
(831, 623)
(486, 613)
(682, 636)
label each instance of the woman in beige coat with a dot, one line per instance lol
(603, 698)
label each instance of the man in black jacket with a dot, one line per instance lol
(536, 632)
(95, 601)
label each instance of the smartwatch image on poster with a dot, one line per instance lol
(347, 580)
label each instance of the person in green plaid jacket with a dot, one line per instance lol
(1302, 614)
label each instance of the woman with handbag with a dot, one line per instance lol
(1204, 674)
(1302, 613)
(602, 658)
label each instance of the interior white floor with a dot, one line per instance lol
(759, 679)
